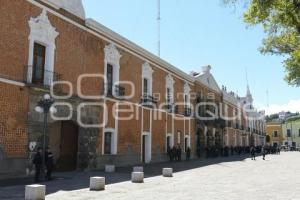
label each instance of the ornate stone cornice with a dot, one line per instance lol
(112, 55)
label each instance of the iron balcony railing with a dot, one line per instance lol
(169, 107)
(236, 126)
(39, 76)
(229, 124)
(187, 111)
(115, 91)
(148, 100)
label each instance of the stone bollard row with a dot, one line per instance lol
(35, 192)
(38, 192)
(137, 177)
(97, 183)
(167, 172)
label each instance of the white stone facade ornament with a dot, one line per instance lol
(187, 88)
(112, 55)
(169, 81)
(41, 29)
(147, 70)
(73, 6)
(42, 32)
(147, 74)
(170, 85)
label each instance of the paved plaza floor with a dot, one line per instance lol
(234, 178)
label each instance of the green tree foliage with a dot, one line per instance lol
(281, 22)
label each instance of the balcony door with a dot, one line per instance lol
(145, 89)
(38, 67)
(109, 77)
(107, 143)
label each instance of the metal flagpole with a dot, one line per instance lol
(158, 27)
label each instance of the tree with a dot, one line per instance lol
(281, 22)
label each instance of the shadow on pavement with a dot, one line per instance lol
(68, 181)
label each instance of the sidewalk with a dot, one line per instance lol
(69, 181)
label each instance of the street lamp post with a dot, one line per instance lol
(44, 106)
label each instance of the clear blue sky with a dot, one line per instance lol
(196, 33)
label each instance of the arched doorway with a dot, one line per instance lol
(64, 145)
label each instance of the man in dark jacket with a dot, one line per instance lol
(37, 161)
(179, 151)
(174, 153)
(188, 153)
(49, 163)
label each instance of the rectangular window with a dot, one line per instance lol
(275, 134)
(168, 95)
(107, 142)
(185, 144)
(169, 142)
(288, 132)
(145, 89)
(109, 77)
(38, 68)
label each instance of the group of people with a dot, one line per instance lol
(38, 163)
(264, 151)
(216, 151)
(175, 153)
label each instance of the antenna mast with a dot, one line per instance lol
(158, 28)
(247, 76)
(267, 92)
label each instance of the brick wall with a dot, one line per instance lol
(13, 131)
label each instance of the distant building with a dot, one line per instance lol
(283, 115)
(291, 133)
(274, 133)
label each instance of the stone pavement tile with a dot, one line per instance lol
(238, 179)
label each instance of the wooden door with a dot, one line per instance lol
(68, 147)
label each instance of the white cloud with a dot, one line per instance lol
(292, 106)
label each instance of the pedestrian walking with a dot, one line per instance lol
(278, 150)
(264, 152)
(49, 164)
(252, 151)
(37, 161)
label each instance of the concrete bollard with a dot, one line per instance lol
(35, 192)
(138, 169)
(97, 183)
(167, 172)
(110, 168)
(137, 177)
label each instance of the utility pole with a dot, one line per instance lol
(158, 28)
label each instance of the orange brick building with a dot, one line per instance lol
(116, 103)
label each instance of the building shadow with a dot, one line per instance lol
(13, 189)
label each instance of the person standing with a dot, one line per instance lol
(169, 153)
(188, 153)
(174, 153)
(37, 161)
(179, 151)
(49, 164)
